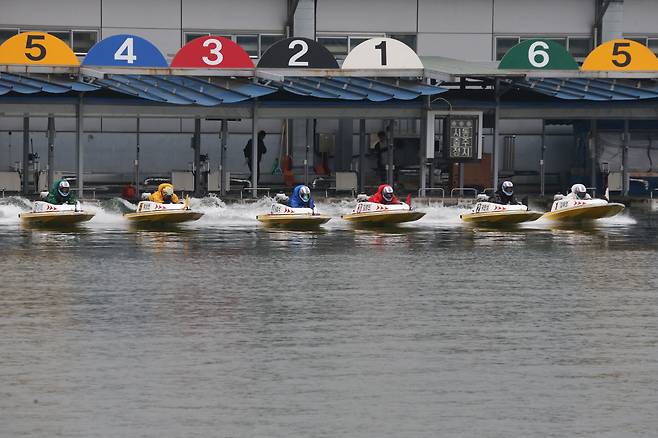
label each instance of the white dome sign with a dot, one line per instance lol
(384, 53)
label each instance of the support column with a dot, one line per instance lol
(309, 144)
(197, 157)
(137, 151)
(496, 135)
(593, 144)
(79, 148)
(391, 158)
(424, 145)
(254, 149)
(362, 155)
(461, 177)
(624, 160)
(542, 165)
(222, 158)
(51, 151)
(25, 177)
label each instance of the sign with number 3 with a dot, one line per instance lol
(212, 52)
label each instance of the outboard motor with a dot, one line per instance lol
(482, 197)
(281, 198)
(145, 196)
(558, 197)
(361, 197)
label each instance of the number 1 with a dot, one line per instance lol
(126, 47)
(382, 48)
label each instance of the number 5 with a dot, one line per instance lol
(30, 44)
(624, 53)
(533, 53)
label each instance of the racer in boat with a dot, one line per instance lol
(60, 193)
(505, 195)
(301, 197)
(164, 195)
(384, 195)
(578, 191)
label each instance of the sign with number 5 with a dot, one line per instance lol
(125, 51)
(621, 55)
(37, 48)
(212, 52)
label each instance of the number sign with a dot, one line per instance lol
(382, 53)
(621, 55)
(463, 135)
(36, 48)
(125, 51)
(538, 55)
(297, 53)
(212, 52)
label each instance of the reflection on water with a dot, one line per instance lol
(224, 328)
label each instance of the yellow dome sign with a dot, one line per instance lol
(621, 55)
(37, 48)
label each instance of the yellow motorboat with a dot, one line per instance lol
(154, 213)
(283, 216)
(372, 213)
(574, 210)
(51, 215)
(492, 214)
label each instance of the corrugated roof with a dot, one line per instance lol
(591, 89)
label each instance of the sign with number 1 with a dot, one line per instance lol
(125, 51)
(37, 48)
(212, 52)
(382, 53)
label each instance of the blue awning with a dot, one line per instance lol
(591, 89)
(41, 84)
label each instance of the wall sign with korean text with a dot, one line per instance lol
(463, 138)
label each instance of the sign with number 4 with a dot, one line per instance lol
(125, 51)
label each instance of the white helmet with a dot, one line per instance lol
(579, 190)
(508, 188)
(387, 193)
(64, 188)
(168, 191)
(305, 193)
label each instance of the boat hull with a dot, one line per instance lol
(163, 217)
(585, 212)
(292, 220)
(55, 219)
(501, 218)
(383, 217)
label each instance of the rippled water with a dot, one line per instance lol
(222, 328)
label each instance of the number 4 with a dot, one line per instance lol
(126, 47)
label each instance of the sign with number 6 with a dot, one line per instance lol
(538, 55)
(621, 55)
(212, 52)
(125, 51)
(37, 48)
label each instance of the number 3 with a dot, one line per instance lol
(215, 51)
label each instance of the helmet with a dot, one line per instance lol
(508, 188)
(168, 190)
(579, 190)
(387, 193)
(305, 193)
(64, 188)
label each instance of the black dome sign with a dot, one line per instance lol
(297, 53)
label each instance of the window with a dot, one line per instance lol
(249, 43)
(189, 36)
(62, 35)
(267, 41)
(641, 40)
(83, 40)
(409, 40)
(356, 40)
(336, 45)
(503, 44)
(580, 47)
(5, 34)
(653, 45)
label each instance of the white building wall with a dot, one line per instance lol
(36, 13)
(366, 16)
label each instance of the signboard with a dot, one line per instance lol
(37, 48)
(538, 55)
(212, 52)
(297, 53)
(125, 51)
(382, 53)
(621, 55)
(463, 138)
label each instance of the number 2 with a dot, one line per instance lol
(294, 59)
(30, 44)
(217, 51)
(624, 53)
(126, 47)
(382, 48)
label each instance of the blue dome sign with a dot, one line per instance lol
(125, 51)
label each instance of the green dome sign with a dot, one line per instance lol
(538, 55)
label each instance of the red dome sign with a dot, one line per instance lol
(212, 52)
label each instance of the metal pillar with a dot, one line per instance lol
(624, 160)
(496, 134)
(25, 176)
(79, 147)
(593, 150)
(197, 157)
(51, 150)
(222, 158)
(309, 143)
(424, 145)
(391, 158)
(137, 150)
(542, 166)
(461, 177)
(254, 149)
(362, 155)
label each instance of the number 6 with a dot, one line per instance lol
(533, 52)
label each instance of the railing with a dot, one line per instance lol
(650, 193)
(461, 191)
(422, 192)
(489, 189)
(257, 189)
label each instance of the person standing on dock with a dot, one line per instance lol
(261, 150)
